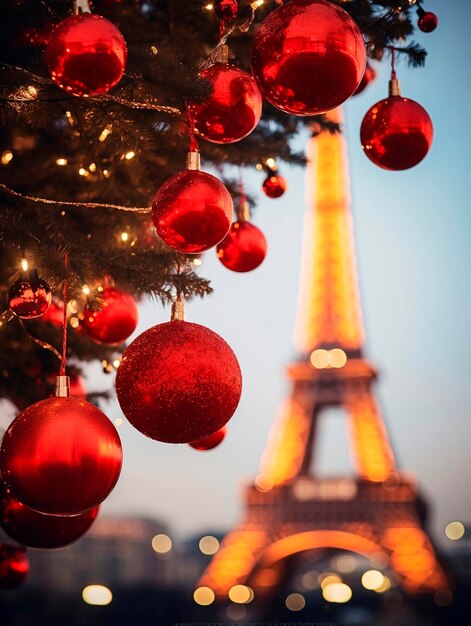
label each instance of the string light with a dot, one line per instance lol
(61, 161)
(83, 172)
(271, 163)
(104, 133)
(7, 156)
(130, 155)
(24, 264)
(208, 7)
(85, 289)
(124, 236)
(92, 167)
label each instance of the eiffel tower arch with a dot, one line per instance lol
(289, 510)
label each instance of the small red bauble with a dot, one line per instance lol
(308, 57)
(61, 456)
(115, 321)
(368, 77)
(14, 566)
(274, 186)
(36, 530)
(396, 133)
(234, 108)
(208, 443)
(86, 55)
(178, 382)
(226, 9)
(427, 22)
(244, 247)
(30, 296)
(192, 211)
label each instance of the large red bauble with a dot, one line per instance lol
(308, 57)
(274, 186)
(226, 9)
(178, 382)
(115, 321)
(29, 297)
(427, 22)
(192, 211)
(234, 108)
(86, 55)
(396, 133)
(14, 566)
(244, 247)
(208, 443)
(368, 77)
(36, 530)
(61, 456)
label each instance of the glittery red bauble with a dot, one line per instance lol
(30, 296)
(234, 108)
(86, 55)
(192, 211)
(226, 9)
(208, 443)
(427, 22)
(36, 530)
(115, 321)
(274, 186)
(244, 247)
(368, 77)
(308, 57)
(61, 456)
(178, 382)
(396, 133)
(14, 566)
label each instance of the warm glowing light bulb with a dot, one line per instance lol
(295, 602)
(372, 579)
(337, 592)
(130, 155)
(86, 289)
(118, 421)
(208, 7)
(271, 163)
(204, 596)
(161, 544)
(24, 264)
(328, 579)
(455, 531)
(7, 156)
(116, 363)
(124, 236)
(197, 262)
(104, 133)
(209, 545)
(61, 161)
(97, 595)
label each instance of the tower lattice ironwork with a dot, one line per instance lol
(288, 509)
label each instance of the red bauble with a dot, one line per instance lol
(234, 108)
(427, 22)
(396, 133)
(30, 296)
(274, 186)
(308, 57)
(368, 77)
(61, 456)
(115, 321)
(36, 530)
(226, 9)
(208, 443)
(244, 247)
(86, 55)
(77, 388)
(54, 314)
(192, 211)
(178, 382)
(14, 566)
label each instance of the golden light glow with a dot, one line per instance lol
(92, 167)
(130, 155)
(61, 161)
(240, 594)
(118, 421)
(74, 322)
(271, 163)
(154, 50)
(295, 602)
(337, 592)
(208, 7)
(323, 359)
(455, 531)
(209, 545)
(97, 595)
(104, 133)
(124, 236)
(197, 262)
(7, 156)
(328, 579)
(116, 363)
(161, 544)
(345, 563)
(372, 579)
(337, 358)
(204, 596)
(385, 586)
(24, 264)
(83, 172)
(32, 91)
(86, 289)
(259, 167)
(257, 3)
(320, 359)
(263, 482)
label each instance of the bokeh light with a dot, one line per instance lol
(455, 531)
(372, 579)
(295, 602)
(337, 592)
(241, 594)
(161, 544)
(97, 595)
(204, 596)
(209, 545)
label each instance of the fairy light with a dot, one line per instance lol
(32, 91)
(106, 173)
(7, 156)
(61, 161)
(92, 167)
(85, 289)
(208, 7)
(197, 262)
(83, 172)
(24, 264)
(124, 236)
(271, 163)
(116, 363)
(70, 118)
(74, 322)
(154, 50)
(130, 155)
(257, 3)
(104, 133)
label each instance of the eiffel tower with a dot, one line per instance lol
(290, 511)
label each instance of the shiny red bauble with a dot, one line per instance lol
(115, 321)
(368, 77)
(36, 530)
(192, 211)
(427, 21)
(61, 456)
(234, 108)
(274, 186)
(244, 247)
(226, 9)
(208, 443)
(178, 382)
(308, 57)
(396, 133)
(30, 296)
(14, 566)
(86, 55)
